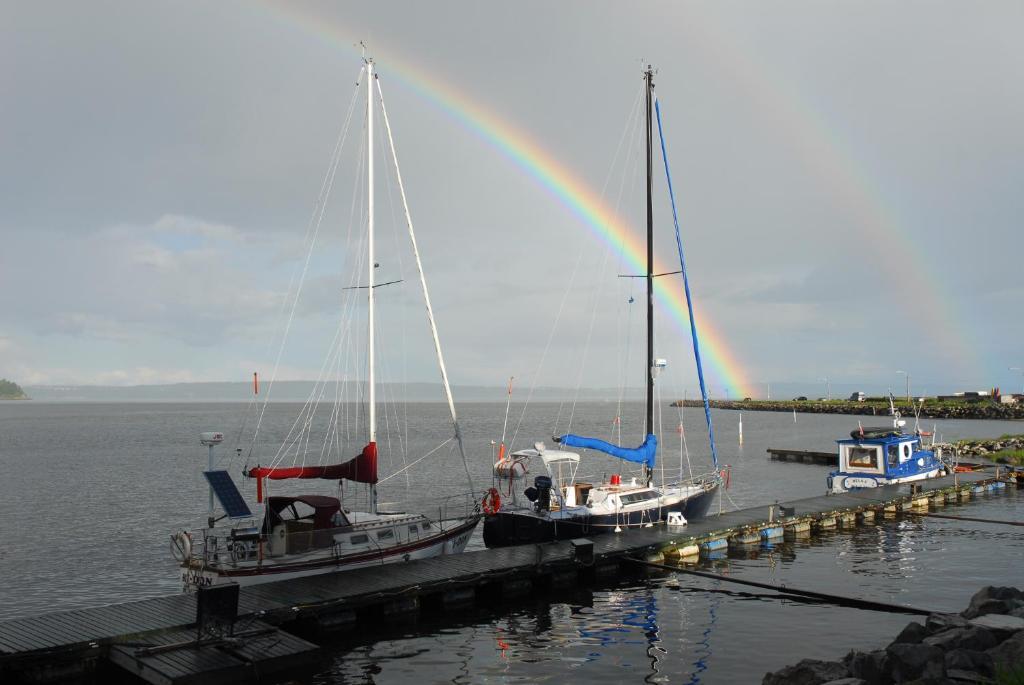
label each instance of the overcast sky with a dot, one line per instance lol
(849, 176)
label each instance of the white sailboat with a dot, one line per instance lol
(304, 534)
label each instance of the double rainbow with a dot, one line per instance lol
(561, 183)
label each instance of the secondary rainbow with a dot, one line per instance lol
(558, 181)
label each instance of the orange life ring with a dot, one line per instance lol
(491, 502)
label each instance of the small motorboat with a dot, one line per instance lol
(883, 455)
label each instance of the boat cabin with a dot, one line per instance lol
(882, 455)
(876, 456)
(302, 523)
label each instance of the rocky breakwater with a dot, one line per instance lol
(982, 644)
(985, 448)
(934, 410)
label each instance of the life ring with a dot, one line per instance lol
(181, 546)
(491, 502)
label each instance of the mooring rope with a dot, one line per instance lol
(839, 600)
(968, 518)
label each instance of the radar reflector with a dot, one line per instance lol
(227, 494)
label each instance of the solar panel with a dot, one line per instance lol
(227, 494)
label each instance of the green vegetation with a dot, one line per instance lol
(1014, 457)
(1013, 675)
(10, 390)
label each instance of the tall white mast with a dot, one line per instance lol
(426, 294)
(370, 265)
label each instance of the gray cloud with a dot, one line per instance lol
(159, 164)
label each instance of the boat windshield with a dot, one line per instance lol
(862, 458)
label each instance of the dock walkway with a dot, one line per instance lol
(363, 596)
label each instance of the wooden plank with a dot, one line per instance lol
(32, 637)
(52, 627)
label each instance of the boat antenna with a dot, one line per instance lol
(649, 78)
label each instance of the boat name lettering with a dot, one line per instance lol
(859, 482)
(196, 579)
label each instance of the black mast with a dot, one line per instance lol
(649, 78)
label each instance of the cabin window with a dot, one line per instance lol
(906, 451)
(894, 454)
(386, 534)
(862, 458)
(634, 497)
(414, 529)
(359, 539)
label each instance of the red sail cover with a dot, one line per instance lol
(362, 469)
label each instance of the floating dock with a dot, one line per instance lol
(804, 456)
(135, 636)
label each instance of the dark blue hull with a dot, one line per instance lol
(525, 526)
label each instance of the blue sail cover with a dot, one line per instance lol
(644, 454)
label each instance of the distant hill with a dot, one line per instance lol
(299, 391)
(9, 390)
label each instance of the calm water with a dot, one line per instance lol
(91, 492)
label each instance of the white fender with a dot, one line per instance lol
(181, 546)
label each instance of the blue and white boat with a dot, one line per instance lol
(561, 506)
(873, 457)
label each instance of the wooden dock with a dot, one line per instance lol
(64, 645)
(804, 456)
(173, 657)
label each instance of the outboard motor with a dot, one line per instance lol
(543, 486)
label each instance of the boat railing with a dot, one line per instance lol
(457, 507)
(245, 542)
(215, 545)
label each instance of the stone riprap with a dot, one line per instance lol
(979, 645)
(985, 409)
(984, 448)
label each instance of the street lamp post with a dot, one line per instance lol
(907, 374)
(1021, 372)
(828, 388)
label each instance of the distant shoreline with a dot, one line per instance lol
(300, 391)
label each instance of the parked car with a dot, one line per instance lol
(802, 398)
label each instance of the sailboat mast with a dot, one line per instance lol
(371, 390)
(649, 78)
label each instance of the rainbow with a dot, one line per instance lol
(823, 148)
(591, 210)
(555, 178)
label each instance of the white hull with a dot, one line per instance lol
(196, 574)
(851, 481)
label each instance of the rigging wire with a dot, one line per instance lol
(599, 291)
(301, 421)
(686, 286)
(312, 227)
(426, 295)
(554, 327)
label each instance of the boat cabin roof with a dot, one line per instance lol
(873, 438)
(555, 457)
